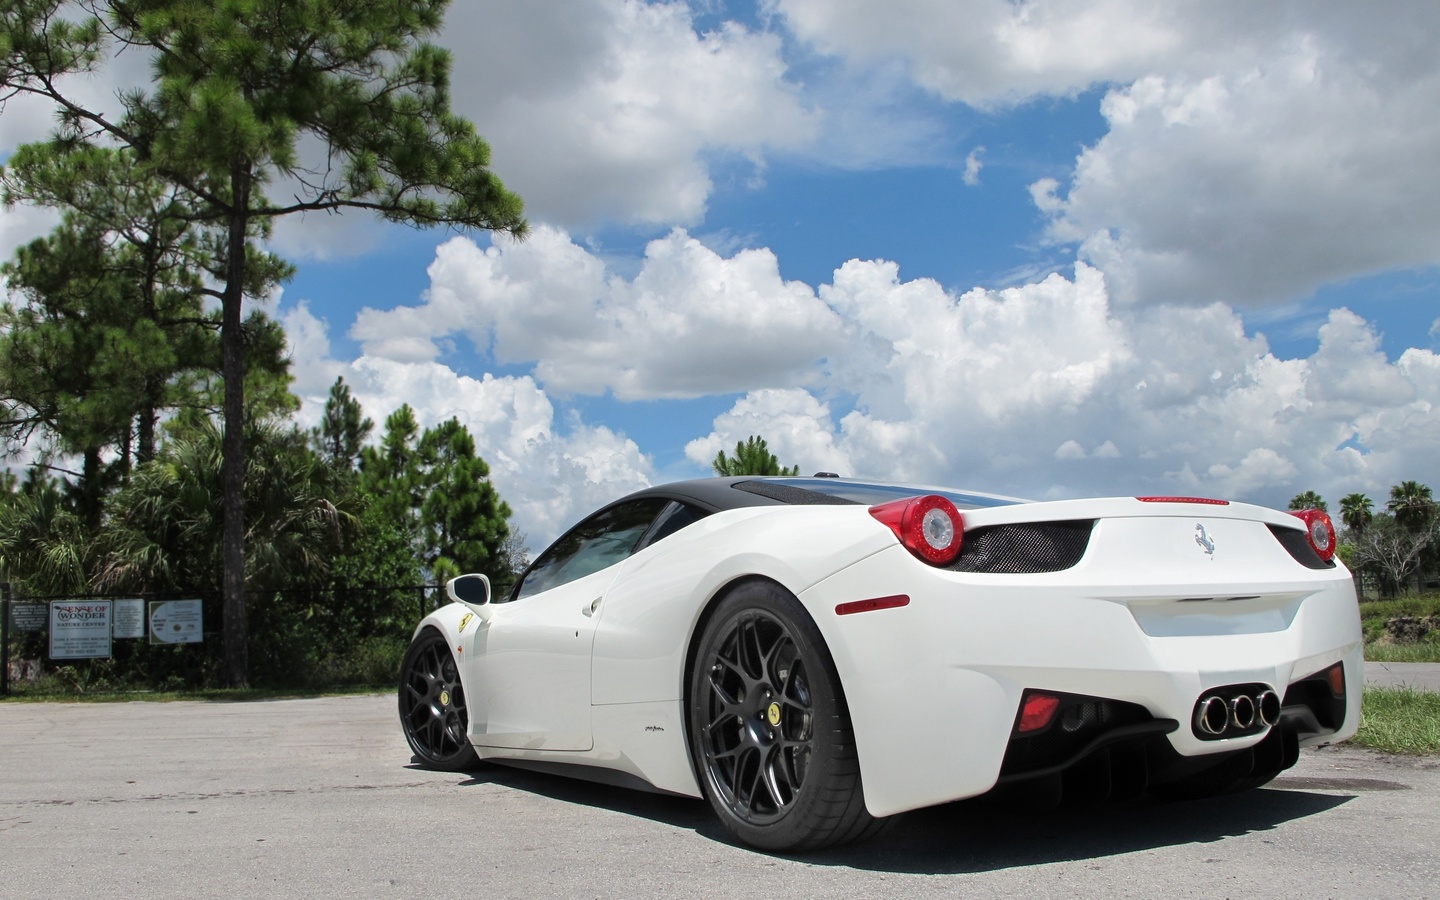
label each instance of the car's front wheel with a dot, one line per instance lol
(432, 705)
(769, 729)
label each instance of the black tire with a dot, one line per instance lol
(769, 730)
(432, 705)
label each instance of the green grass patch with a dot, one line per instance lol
(1400, 720)
(1423, 652)
(1375, 613)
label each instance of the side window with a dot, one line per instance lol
(675, 517)
(600, 541)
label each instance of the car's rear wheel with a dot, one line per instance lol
(769, 729)
(432, 705)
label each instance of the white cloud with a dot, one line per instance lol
(1034, 391)
(1254, 152)
(1031, 390)
(1257, 186)
(690, 323)
(550, 474)
(612, 109)
(973, 165)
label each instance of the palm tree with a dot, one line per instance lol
(45, 547)
(165, 527)
(1308, 500)
(1411, 504)
(1357, 510)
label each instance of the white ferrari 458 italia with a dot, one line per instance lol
(812, 655)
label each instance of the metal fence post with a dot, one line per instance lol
(4, 639)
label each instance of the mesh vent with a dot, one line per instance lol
(790, 494)
(1027, 548)
(1293, 540)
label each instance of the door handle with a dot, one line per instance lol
(590, 610)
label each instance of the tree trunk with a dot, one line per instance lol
(232, 446)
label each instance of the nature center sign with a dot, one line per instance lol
(80, 629)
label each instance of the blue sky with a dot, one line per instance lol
(1042, 248)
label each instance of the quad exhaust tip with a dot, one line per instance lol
(1242, 712)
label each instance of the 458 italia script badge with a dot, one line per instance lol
(1206, 542)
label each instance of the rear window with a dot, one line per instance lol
(815, 491)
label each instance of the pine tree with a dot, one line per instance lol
(238, 87)
(343, 430)
(751, 457)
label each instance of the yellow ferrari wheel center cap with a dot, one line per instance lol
(444, 698)
(773, 714)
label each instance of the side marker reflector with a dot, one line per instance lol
(859, 606)
(1336, 676)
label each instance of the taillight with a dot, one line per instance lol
(930, 527)
(1319, 531)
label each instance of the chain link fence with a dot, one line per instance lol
(298, 638)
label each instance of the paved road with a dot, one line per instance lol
(1420, 676)
(315, 798)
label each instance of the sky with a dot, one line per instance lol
(1035, 247)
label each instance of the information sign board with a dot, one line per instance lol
(129, 619)
(176, 622)
(28, 616)
(80, 629)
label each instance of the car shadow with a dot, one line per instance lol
(975, 836)
(971, 836)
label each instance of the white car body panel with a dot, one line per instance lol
(594, 672)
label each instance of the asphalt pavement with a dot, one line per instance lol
(1420, 676)
(319, 798)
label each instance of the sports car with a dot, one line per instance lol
(814, 655)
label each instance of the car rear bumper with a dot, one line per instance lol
(934, 687)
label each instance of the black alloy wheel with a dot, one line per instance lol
(432, 705)
(769, 729)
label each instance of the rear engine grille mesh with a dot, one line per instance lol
(1026, 548)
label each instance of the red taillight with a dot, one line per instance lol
(930, 527)
(1036, 711)
(1319, 531)
(1205, 500)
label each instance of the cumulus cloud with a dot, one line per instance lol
(614, 109)
(1259, 185)
(689, 323)
(1045, 389)
(1254, 151)
(551, 473)
(1052, 390)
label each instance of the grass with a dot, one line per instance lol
(1400, 720)
(1375, 613)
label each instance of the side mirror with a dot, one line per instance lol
(471, 590)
